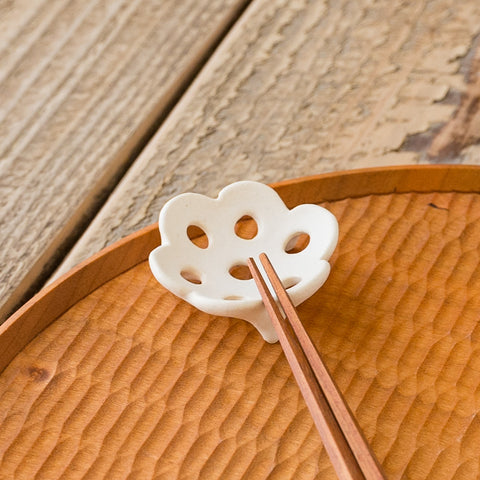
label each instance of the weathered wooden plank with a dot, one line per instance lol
(299, 88)
(82, 84)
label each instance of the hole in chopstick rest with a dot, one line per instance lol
(246, 227)
(197, 236)
(297, 243)
(233, 297)
(240, 272)
(191, 276)
(290, 282)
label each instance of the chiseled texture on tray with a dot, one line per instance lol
(134, 383)
(81, 83)
(300, 88)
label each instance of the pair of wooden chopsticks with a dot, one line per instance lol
(346, 446)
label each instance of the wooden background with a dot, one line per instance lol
(110, 107)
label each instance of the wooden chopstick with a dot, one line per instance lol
(346, 446)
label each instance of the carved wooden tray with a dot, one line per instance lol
(107, 375)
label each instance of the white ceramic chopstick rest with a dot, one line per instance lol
(202, 277)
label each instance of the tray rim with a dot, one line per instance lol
(55, 299)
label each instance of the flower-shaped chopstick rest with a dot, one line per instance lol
(210, 274)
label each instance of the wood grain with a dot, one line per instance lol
(82, 83)
(131, 381)
(463, 130)
(299, 88)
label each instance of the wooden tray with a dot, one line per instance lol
(107, 375)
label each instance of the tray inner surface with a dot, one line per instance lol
(133, 383)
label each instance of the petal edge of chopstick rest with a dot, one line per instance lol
(350, 428)
(202, 276)
(332, 436)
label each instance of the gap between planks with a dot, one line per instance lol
(62, 241)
